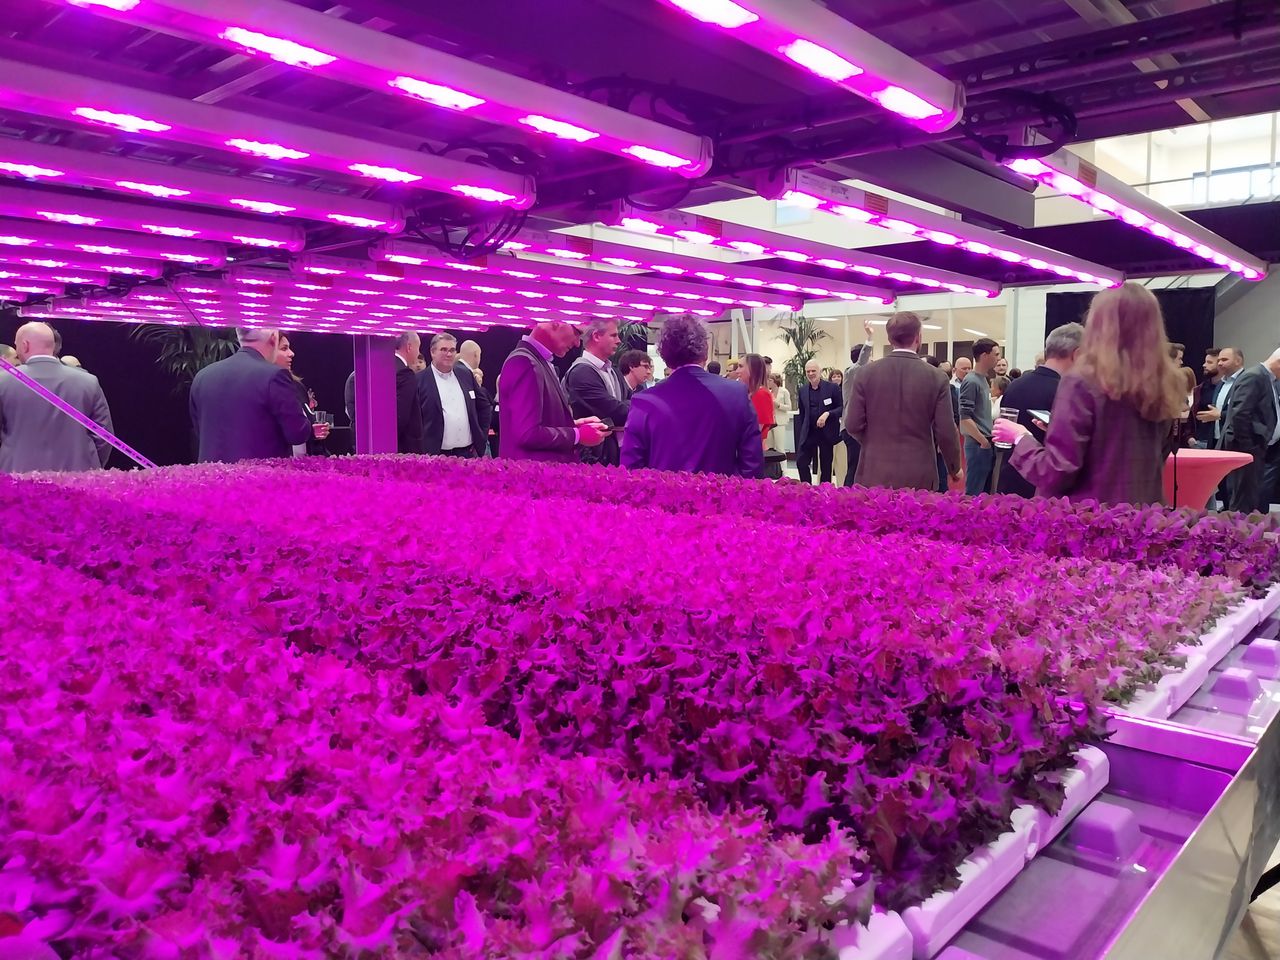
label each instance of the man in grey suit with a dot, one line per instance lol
(900, 411)
(36, 435)
(245, 407)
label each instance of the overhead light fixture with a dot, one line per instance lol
(754, 242)
(422, 265)
(31, 236)
(362, 56)
(21, 291)
(812, 37)
(1069, 174)
(572, 249)
(862, 206)
(18, 273)
(570, 274)
(38, 204)
(976, 333)
(76, 260)
(50, 93)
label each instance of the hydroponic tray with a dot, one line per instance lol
(1161, 862)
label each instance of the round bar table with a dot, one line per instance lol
(1198, 474)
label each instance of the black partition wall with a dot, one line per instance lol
(1188, 317)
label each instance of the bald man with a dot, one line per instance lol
(36, 435)
(469, 356)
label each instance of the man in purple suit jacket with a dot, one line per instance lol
(533, 409)
(693, 421)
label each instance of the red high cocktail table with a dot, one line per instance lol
(1198, 473)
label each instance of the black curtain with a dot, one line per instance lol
(150, 413)
(1188, 317)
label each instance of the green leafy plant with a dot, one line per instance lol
(184, 351)
(631, 336)
(802, 334)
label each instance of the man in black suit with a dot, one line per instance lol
(1251, 424)
(469, 356)
(596, 389)
(447, 400)
(245, 407)
(1206, 396)
(408, 413)
(817, 423)
(1036, 391)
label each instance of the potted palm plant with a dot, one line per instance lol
(802, 334)
(184, 351)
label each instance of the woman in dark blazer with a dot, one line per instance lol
(1111, 424)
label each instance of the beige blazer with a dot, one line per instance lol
(900, 411)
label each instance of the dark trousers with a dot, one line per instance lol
(462, 453)
(943, 478)
(821, 451)
(1246, 487)
(978, 463)
(1270, 479)
(854, 450)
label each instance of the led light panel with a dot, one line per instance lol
(807, 189)
(813, 38)
(339, 49)
(1068, 174)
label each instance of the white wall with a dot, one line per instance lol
(1252, 323)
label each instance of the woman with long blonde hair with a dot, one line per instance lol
(1111, 425)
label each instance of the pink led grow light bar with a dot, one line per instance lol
(861, 206)
(766, 282)
(66, 259)
(1070, 175)
(62, 96)
(30, 235)
(753, 242)
(37, 204)
(11, 273)
(23, 291)
(572, 275)
(377, 321)
(414, 285)
(21, 158)
(811, 37)
(224, 299)
(355, 54)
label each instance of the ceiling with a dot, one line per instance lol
(1076, 69)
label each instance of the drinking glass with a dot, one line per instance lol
(1008, 413)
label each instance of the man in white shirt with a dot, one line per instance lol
(447, 399)
(1230, 363)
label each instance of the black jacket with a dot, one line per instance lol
(827, 400)
(1249, 421)
(484, 402)
(408, 413)
(1034, 391)
(589, 397)
(433, 412)
(245, 407)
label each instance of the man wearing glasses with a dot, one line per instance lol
(637, 371)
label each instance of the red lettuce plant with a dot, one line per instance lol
(909, 690)
(173, 786)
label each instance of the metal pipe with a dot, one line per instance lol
(1121, 62)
